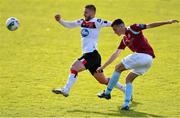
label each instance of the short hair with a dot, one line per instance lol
(117, 22)
(91, 7)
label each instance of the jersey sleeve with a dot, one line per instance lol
(138, 27)
(103, 23)
(71, 24)
(122, 44)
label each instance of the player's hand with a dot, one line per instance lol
(173, 21)
(58, 17)
(99, 70)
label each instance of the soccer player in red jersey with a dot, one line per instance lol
(139, 62)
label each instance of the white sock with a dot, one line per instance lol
(120, 86)
(71, 80)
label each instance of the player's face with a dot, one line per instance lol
(118, 29)
(88, 14)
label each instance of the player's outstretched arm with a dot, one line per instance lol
(106, 23)
(110, 60)
(103, 23)
(157, 24)
(66, 23)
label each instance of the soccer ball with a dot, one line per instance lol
(12, 23)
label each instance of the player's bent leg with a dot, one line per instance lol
(76, 67)
(100, 77)
(128, 94)
(115, 77)
(113, 81)
(130, 77)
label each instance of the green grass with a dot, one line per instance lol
(36, 58)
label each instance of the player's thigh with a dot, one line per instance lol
(141, 70)
(136, 60)
(130, 61)
(100, 77)
(88, 60)
(130, 77)
(139, 63)
(78, 66)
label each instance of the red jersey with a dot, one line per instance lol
(135, 40)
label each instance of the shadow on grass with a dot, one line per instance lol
(119, 113)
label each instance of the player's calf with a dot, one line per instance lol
(75, 68)
(101, 78)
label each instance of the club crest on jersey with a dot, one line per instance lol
(129, 36)
(84, 32)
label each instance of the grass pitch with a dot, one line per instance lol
(36, 58)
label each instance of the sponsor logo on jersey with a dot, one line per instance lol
(88, 24)
(128, 41)
(99, 20)
(84, 32)
(129, 35)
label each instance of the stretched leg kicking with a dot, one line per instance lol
(100, 77)
(113, 81)
(75, 68)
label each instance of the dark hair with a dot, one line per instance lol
(91, 7)
(117, 22)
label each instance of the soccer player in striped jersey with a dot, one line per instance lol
(139, 62)
(91, 59)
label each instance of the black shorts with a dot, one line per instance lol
(91, 61)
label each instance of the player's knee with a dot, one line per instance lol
(73, 68)
(74, 71)
(119, 68)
